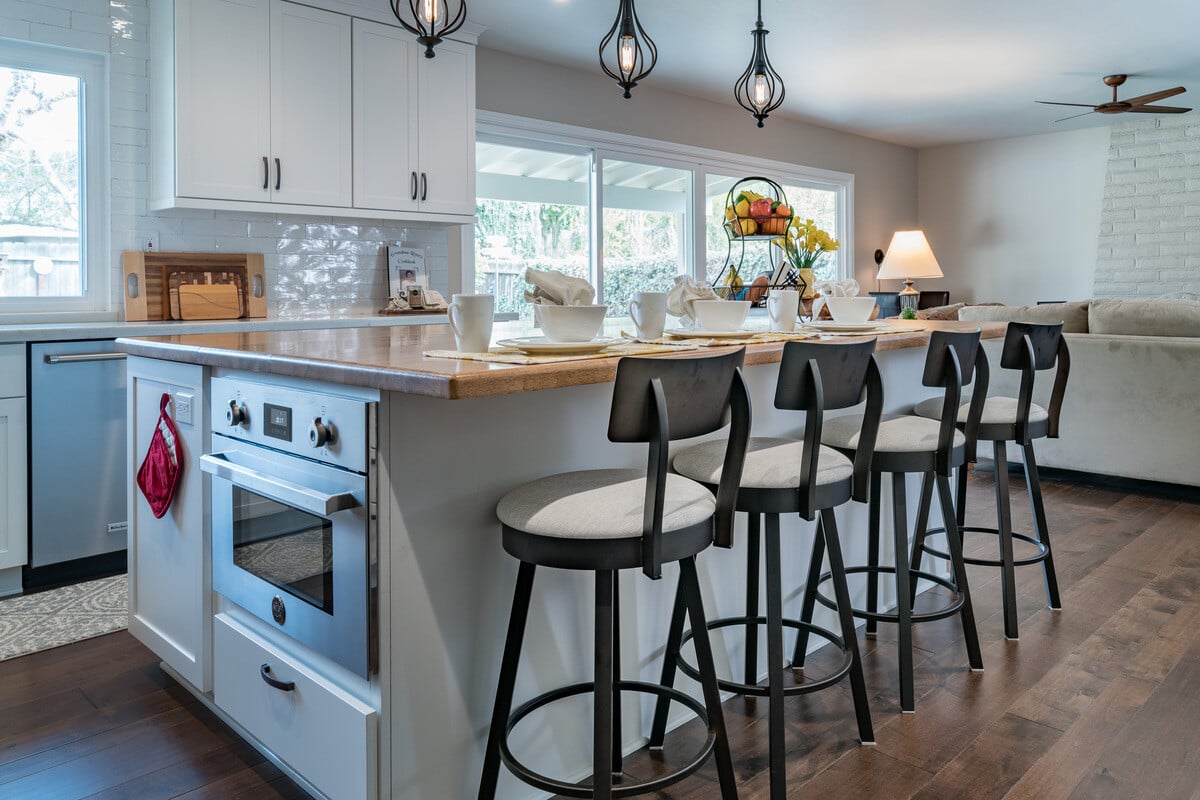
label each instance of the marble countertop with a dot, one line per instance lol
(390, 358)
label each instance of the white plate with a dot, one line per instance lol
(846, 327)
(686, 334)
(541, 346)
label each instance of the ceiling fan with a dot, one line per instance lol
(1140, 104)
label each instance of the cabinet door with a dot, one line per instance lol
(310, 106)
(223, 98)
(385, 117)
(170, 559)
(447, 129)
(13, 499)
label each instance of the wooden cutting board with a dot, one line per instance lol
(149, 294)
(201, 301)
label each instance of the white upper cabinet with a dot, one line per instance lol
(414, 123)
(310, 105)
(280, 106)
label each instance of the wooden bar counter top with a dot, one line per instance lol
(390, 359)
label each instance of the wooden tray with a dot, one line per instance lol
(149, 295)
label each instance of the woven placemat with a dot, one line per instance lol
(508, 355)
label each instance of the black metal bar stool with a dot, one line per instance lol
(789, 476)
(1030, 348)
(608, 520)
(909, 443)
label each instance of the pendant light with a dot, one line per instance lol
(634, 48)
(430, 20)
(760, 89)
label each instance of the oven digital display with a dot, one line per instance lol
(277, 422)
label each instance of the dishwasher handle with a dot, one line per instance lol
(78, 358)
(285, 492)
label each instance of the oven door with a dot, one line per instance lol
(292, 545)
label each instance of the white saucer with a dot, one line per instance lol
(681, 333)
(540, 345)
(846, 327)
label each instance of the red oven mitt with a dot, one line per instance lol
(161, 470)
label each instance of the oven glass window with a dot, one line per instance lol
(283, 546)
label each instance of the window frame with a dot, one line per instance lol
(94, 217)
(512, 130)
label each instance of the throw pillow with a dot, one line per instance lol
(940, 312)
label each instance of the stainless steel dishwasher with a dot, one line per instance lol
(77, 467)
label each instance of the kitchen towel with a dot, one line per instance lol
(551, 287)
(162, 469)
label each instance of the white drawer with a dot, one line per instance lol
(320, 731)
(12, 370)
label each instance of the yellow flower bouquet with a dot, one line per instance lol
(805, 245)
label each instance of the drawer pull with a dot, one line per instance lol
(283, 686)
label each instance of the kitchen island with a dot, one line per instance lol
(453, 436)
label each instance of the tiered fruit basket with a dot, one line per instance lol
(756, 210)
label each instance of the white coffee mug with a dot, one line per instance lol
(783, 305)
(470, 317)
(649, 313)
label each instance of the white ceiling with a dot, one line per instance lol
(919, 73)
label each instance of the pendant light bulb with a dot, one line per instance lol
(762, 90)
(429, 12)
(627, 53)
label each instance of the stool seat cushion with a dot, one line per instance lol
(600, 504)
(769, 464)
(898, 433)
(996, 411)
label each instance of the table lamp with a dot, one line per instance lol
(908, 257)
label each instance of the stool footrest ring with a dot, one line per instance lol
(1042, 552)
(882, 616)
(555, 786)
(758, 690)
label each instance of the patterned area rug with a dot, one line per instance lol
(34, 622)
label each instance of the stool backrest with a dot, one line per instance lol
(953, 360)
(817, 377)
(1033, 348)
(659, 400)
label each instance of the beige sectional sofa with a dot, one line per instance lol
(1132, 407)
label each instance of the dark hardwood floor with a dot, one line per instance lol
(1097, 701)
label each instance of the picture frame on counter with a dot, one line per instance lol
(406, 270)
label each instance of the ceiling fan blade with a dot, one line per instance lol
(1159, 110)
(1052, 103)
(1076, 116)
(1143, 99)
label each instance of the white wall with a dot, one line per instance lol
(315, 266)
(1015, 220)
(885, 174)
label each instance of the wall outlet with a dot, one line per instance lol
(183, 408)
(148, 241)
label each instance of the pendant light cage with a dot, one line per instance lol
(431, 20)
(760, 89)
(629, 48)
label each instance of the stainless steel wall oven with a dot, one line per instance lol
(294, 528)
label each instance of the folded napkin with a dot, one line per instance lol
(551, 287)
(686, 291)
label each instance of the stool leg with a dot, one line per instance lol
(874, 510)
(658, 730)
(602, 720)
(752, 571)
(617, 759)
(960, 508)
(903, 593)
(858, 685)
(815, 562)
(1043, 530)
(1008, 578)
(708, 677)
(507, 682)
(778, 756)
(967, 612)
(918, 545)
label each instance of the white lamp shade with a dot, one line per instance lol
(908, 256)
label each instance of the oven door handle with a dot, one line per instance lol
(285, 492)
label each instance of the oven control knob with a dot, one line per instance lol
(236, 415)
(321, 433)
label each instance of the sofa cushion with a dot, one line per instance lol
(940, 312)
(1144, 317)
(1074, 316)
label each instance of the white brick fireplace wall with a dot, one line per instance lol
(1150, 223)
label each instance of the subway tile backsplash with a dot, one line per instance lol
(315, 266)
